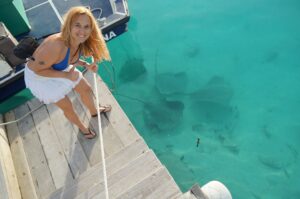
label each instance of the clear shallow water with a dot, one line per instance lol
(223, 74)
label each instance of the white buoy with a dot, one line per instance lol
(216, 190)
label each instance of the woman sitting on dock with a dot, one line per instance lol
(51, 74)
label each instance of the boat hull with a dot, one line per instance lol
(112, 22)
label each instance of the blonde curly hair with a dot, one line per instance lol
(95, 45)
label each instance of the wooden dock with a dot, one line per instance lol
(51, 159)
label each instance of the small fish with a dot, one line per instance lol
(182, 158)
(198, 142)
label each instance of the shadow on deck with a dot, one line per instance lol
(53, 160)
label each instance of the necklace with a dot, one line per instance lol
(72, 56)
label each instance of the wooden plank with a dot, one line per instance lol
(72, 148)
(113, 164)
(168, 190)
(186, 195)
(3, 176)
(126, 177)
(179, 196)
(34, 153)
(91, 147)
(56, 160)
(3, 187)
(158, 185)
(7, 167)
(118, 119)
(112, 142)
(19, 158)
(115, 161)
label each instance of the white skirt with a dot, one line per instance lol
(49, 89)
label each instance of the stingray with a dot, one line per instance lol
(211, 104)
(192, 52)
(170, 83)
(217, 90)
(270, 57)
(229, 144)
(271, 162)
(163, 115)
(160, 114)
(132, 69)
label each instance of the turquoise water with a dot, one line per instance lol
(213, 87)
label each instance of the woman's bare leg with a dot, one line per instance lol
(66, 105)
(85, 91)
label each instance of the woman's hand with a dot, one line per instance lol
(92, 67)
(72, 74)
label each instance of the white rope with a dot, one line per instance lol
(14, 121)
(101, 138)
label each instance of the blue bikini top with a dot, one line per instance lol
(63, 64)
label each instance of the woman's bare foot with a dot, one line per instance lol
(90, 134)
(103, 109)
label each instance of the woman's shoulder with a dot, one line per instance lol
(50, 50)
(54, 42)
(53, 46)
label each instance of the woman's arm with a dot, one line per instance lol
(93, 66)
(45, 56)
(71, 75)
(81, 62)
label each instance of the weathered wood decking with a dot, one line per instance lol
(53, 160)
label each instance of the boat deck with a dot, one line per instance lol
(53, 160)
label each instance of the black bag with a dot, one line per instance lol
(7, 44)
(26, 47)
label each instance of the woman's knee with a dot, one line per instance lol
(65, 105)
(88, 89)
(83, 88)
(69, 110)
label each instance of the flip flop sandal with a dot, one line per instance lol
(103, 109)
(90, 135)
